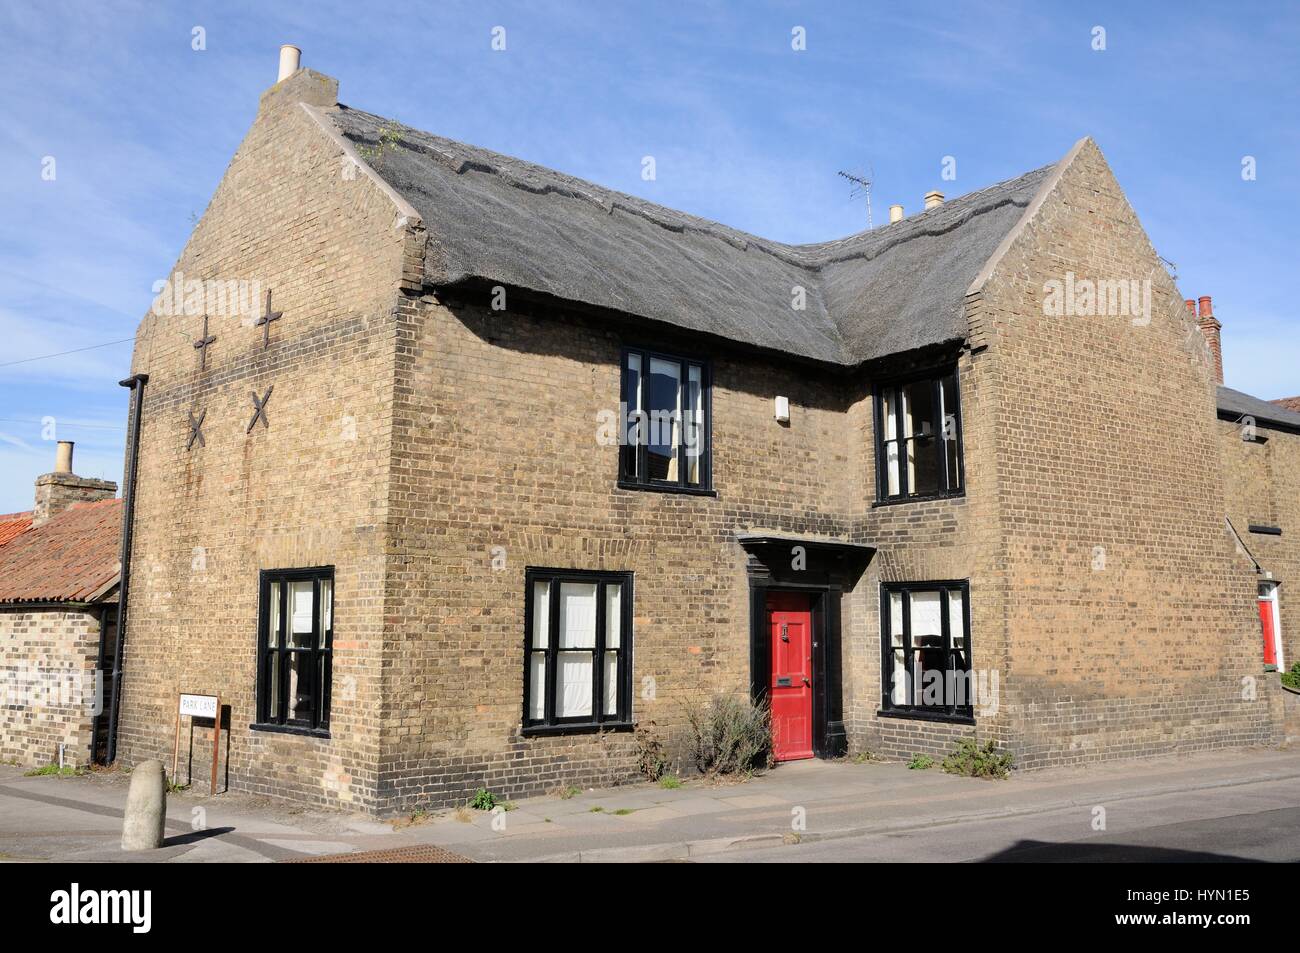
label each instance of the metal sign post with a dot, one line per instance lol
(199, 706)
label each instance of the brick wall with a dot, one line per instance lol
(308, 490)
(1130, 622)
(924, 541)
(47, 684)
(495, 445)
(1262, 481)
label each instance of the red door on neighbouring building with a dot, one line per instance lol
(790, 619)
(1268, 622)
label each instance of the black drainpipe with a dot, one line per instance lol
(136, 383)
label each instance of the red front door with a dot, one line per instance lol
(790, 620)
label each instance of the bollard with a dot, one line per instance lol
(146, 808)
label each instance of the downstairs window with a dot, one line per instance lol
(577, 650)
(295, 648)
(925, 632)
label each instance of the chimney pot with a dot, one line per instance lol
(290, 61)
(1206, 310)
(895, 214)
(63, 457)
(1191, 305)
(933, 199)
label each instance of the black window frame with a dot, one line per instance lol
(621, 720)
(633, 457)
(936, 376)
(962, 714)
(320, 652)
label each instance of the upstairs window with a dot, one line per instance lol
(665, 439)
(295, 649)
(918, 447)
(578, 650)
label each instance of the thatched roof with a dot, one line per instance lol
(493, 218)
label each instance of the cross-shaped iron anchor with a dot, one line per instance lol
(259, 410)
(196, 429)
(264, 322)
(202, 344)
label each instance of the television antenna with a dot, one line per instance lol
(861, 186)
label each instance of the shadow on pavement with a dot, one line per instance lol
(193, 837)
(1043, 852)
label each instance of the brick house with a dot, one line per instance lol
(58, 618)
(499, 464)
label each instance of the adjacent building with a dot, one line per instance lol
(59, 574)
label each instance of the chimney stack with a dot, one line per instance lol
(61, 489)
(290, 61)
(933, 199)
(895, 214)
(1210, 327)
(296, 84)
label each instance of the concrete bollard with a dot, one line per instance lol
(146, 808)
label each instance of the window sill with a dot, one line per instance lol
(585, 728)
(666, 488)
(1264, 530)
(291, 730)
(912, 715)
(929, 497)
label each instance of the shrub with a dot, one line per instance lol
(920, 762)
(1291, 679)
(650, 756)
(730, 735)
(670, 781)
(979, 761)
(483, 800)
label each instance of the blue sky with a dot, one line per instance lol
(744, 130)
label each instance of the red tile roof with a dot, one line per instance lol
(1290, 403)
(70, 558)
(14, 524)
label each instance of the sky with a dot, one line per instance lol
(140, 107)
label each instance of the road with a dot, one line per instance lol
(1249, 822)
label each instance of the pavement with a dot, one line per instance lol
(1251, 822)
(1227, 805)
